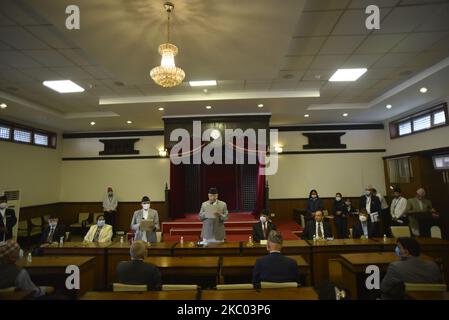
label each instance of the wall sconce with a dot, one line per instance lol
(278, 148)
(162, 152)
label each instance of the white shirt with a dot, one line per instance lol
(319, 225)
(398, 207)
(3, 216)
(368, 204)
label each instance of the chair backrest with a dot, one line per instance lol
(440, 287)
(303, 221)
(238, 286)
(23, 225)
(121, 287)
(45, 218)
(159, 236)
(435, 232)
(398, 232)
(178, 287)
(273, 285)
(96, 215)
(325, 213)
(335, 271)
(67, 236)
(83, 216)
(10, 289)
(37, 221)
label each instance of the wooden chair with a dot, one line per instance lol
(122, 287)
(83, 217)
(179, 287)
(237, 286)
(276, 285)
(398, 231)
(36, 226)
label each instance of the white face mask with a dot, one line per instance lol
(146, 206)
(367, 193)
(263, 219)
(314, 196)
(338, 198)
(363, 218)
(3, 205)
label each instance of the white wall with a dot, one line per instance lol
(35, 171)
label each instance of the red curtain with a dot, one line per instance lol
(260, 191)
(177, 191)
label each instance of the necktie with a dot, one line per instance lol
(50, 235)
(320, 234)
(97, 235)
(265, 230)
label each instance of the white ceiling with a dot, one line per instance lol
(251, 47)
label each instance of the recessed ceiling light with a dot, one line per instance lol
(388, 106)
(260, 105)
(92, 123)
(203, 83)
(3, 106)
(129, 122)
(348, 74)
(63, 86)
(205, 90)
(345, 114)
(161, 109)
(208, 107)
(423, 90)
(306, 115)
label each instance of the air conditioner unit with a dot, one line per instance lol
(13, 197)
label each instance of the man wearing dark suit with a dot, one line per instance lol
(138, 272)
(8, 219)
(364, 227)
(275, 267)
(53, 232)
(370, 201)
(318, 227)
(410, 269)
(262, 229)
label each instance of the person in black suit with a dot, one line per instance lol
(364, 227)
(340, 217)
(318, 227)
(53, 232)
(275, 267)
(370, 201)
(348, 208)
(262, 229)
(8, 220)
(138, 272)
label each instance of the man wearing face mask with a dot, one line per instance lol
(364, 227)
(409, 269)
(53, 232)
(8, 219)
(100, 232)
(110, 207)
(418, 207)
(370, 202)
(145, 222)
(340, 216)
(213, 214)
(398, 208)
(262, 229)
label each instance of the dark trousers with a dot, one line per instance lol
(386, 221)
(341, 224)
(110, 218)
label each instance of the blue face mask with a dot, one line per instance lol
(397, 250)
(100, 223)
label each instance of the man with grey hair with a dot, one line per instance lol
(420, 205)
(137, 271)
(275, 267)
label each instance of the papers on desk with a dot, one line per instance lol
(263, 242)
(146, 225)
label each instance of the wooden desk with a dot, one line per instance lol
(427, 295)
(147, 295)
(212, 249)
(289, 247)
(242, 267)
(303, 293)
(50, 271)
(117, 252)
(323, 250)
(354, 266)
(16, 295)
(96, 250)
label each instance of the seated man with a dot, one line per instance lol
(410, 269)
(262, 229)
(364, 227)
(100, 232)
(274, 267)
(11, 275)
(318, 228)
(138, 272)
(53, 232)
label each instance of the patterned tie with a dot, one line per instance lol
(50, 235)
(320, 234)
(97, 234)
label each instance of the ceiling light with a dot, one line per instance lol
(388, 106)
(203, 83)
(168, 74)
(161, 109)
(423, 90)
(92, 123)
(348, 74)
(215, 134)
(345, 114)
(306, 115)
(3, 106)
(260, 105)
(63, 86)
(208, 107)
(205, 90)
(129, 122)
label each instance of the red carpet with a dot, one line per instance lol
(238, 227)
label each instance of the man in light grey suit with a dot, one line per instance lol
(213, 214)
(409, 269)
(145, 234)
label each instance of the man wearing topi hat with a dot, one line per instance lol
(213, 214)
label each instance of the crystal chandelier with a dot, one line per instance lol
(167, 74)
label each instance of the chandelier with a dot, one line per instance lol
(168, 74)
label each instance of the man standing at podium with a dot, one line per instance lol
(213, 214)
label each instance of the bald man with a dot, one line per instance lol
(420, 204)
